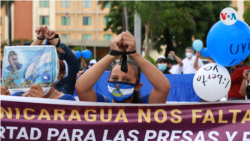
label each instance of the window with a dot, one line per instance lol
(65, 4)
(86, 4)
(44, 20)
(86, 36)
(65, 21)
(108, 5)
(86, 21)
(106, 20)
(107, 37)
(65, 36)
(44, 3)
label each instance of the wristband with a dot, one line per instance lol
(123, 61)
(39, 38)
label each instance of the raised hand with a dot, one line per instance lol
(40, 32)
(49, 34)
(116, 44)
(129, 44)
(172, 53)
(4, 91)
(197, 54)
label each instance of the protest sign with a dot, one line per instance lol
(27, 65)
(46, 119)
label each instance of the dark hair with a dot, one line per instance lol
(136, 94)
(62, 67)
(246, 60)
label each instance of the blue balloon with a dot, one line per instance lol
(204, 53)
(78, 54)
(197, 45)
(86, 54)
(229, 45)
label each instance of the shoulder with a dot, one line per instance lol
(67, 97)
(8, 68)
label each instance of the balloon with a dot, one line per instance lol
(78, 54)
(229, 45)
(212, 82)
(86, 54)
(204, 53)
(197, 45)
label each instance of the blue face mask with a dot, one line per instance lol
(162, 67)
(121, 91)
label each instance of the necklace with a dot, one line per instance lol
(52, 94)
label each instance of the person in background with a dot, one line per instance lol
(124, 86)
(188, 62)
(92, 62)
(174, 69)
(245, 85)
(237, 80)
(196, 66)
(65, 85)
(161, 64)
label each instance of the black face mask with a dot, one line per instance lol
(248, 92)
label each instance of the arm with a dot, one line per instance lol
(40, 34)
(83, 63)
(196, 61)
(179, 61)
(89, 78)
(161, 85)
(243, 84)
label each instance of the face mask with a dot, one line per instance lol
(121, 91)
(162, 67)
(189, 55)
(248, 92)
(45, 91)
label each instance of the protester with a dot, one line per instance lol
(161, 64)
(197, 59)
(188, 62)
(123, 85)
(65, 85)
(245, 85)
(174, 69)
(236, 81)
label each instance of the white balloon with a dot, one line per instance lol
(212, 82)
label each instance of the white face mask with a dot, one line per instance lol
(189, 55)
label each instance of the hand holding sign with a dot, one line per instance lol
(212, 82)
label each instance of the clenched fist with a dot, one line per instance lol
(4, 91)
(129, 44)
(49, 34)
(40, 31)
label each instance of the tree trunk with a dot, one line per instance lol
(152, 41)
(169, 43)
(8, 6)
(125, 18)
(146, 40)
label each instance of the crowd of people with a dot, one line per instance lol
(124, 80)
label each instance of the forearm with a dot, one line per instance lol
(243, 88)
(154, 75)
(54, 43)
(90, 77)
(36, 42)
(83, 63)
(179, 61)
(196, 63)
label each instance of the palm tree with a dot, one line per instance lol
(8, 4)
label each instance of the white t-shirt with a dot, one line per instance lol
(188, 65)
(175, 69)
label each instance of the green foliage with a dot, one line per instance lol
(150, 59)
(246, 14)
(15, 42)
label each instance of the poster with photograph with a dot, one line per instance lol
(24, 66)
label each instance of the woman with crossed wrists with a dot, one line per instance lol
(124, 81)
